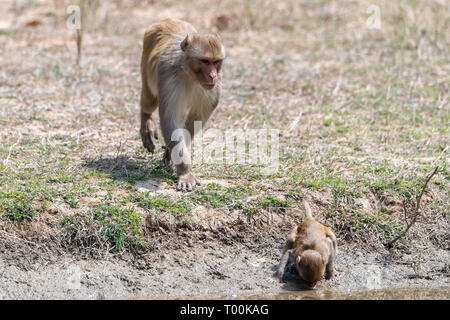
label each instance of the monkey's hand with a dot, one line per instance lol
(187, 182)
(149, 135)
(283, 261)
(279, 275)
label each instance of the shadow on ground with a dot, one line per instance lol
(132, 170)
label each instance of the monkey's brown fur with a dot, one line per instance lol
(313, 247)
(181, 74)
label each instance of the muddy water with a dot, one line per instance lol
(440, 293)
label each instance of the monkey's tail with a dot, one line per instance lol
(307, 209)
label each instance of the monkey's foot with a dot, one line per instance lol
(187, 182)
(279, 277)
(149, 139)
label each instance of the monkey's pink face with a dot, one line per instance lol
(209, 71)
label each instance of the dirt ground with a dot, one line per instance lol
(208, 270)
(363, 116)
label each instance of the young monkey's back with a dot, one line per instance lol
(310, 234)
(313, 247)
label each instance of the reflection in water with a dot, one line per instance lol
(441, 293)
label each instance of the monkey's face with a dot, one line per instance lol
(205, 54)
(311, 267)
(209, 71)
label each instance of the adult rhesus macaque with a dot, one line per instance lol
(181, 74)
(313, 247)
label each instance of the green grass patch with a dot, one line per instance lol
(378, 177)
(356, 220)
(272, 202)
(264, 203)
(216, 196)
(239, 171)
(160, 170)
(160, 203)
(16, 205)
(117, 228)
(27, 185)
(386, 177)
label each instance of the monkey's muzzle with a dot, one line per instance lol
(208, 86)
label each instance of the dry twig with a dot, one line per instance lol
(415, 214)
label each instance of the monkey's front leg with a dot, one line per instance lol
(282, 265)
(148, 131)
(329, 271)
(178, 141)
(182, 159)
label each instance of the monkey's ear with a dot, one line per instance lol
(186, 42)
(299, 258)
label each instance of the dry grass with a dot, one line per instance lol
(363, 113)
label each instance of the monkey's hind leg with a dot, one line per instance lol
(149, 128)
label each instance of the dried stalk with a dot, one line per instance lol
(415, 214)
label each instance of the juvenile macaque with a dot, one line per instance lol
(313, 247)
(181, 74)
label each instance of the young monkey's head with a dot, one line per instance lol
(204, 55)
(311, 267)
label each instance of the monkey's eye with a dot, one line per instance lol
(217, 61)
(204, 60)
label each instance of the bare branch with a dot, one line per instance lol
(416, 211)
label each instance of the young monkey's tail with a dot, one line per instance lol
(307, 209)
